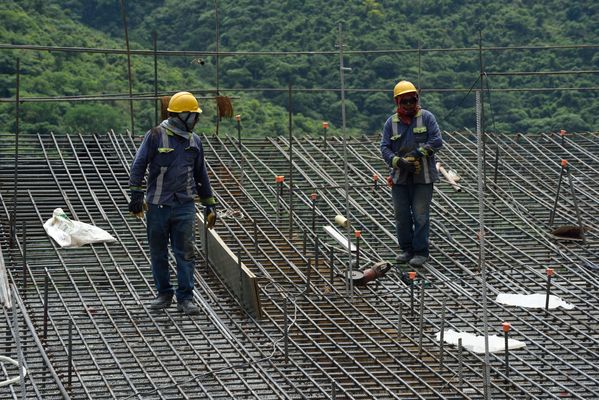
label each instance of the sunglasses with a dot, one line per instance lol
(408, 101)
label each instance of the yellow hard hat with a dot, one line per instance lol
(183, 102)
(403, 87)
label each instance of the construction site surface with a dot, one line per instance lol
(279, 318)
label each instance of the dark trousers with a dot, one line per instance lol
(174, 224)
(411, 203)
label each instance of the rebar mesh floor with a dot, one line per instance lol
(377, 342)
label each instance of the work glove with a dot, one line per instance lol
(409, 164)
(137, 205)
(422, 151)
(210, 216)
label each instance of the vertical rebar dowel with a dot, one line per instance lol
(325, 127)
(575, 199)
(286, 333)
(238, 119)
(279, 193)
(45, 304)
(24, 228)
(70, 359)
(316, 251)
(549, 275)
(411, 298)
(313, 198)
(421, 319)
(304, 242)
(506, 330)
(17, 337)
(358, 233)
(333, 390)
(442, 333)
(255, 236)
(554, 209)
(332, 265)
(240, 278)
(308, 273)
(129, 79)
(460, 364)
(13, 217)
(399, 317)
(156, 99)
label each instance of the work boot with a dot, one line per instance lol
(188, 307)
(403, 257)
(163, 300)
(418, 261)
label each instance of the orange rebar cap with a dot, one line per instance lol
(238, 117)
(375, 177)
(562, 132)
(280, 178)
(506, 326)
(313, 196)
(550, 271)
(358, 233)
(412, 275)
(564, 163)
(325, 125)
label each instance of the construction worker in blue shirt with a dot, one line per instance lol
(411, 137)
(174, 159)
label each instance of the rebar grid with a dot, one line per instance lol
(122, 349)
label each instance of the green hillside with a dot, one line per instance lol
(310, 26)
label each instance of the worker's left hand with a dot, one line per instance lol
(422, 151)
(210, 216)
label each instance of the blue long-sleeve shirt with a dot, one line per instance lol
(175, 164)
(400, 139)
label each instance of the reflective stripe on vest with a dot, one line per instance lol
(419, 128)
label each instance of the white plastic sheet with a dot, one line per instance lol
(68, 233)
(476, 344)
(536, 300)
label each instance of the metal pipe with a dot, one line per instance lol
(290, 112)
(13, 226)
(156, 102)
(24, 227)
(129, 78)
(482, 266)
(349, 283)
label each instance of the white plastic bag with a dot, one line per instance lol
(68, 233)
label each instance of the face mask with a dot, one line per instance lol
(189, 119)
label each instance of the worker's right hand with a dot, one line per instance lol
(136, 205)
(405, 164)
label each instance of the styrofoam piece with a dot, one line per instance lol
(536, 300)
(476, 344)
(335, 234)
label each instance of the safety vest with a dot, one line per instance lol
(419, 131)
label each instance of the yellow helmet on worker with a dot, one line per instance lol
(404, 87)
(183, 102)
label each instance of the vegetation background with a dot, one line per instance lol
(307, 25)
